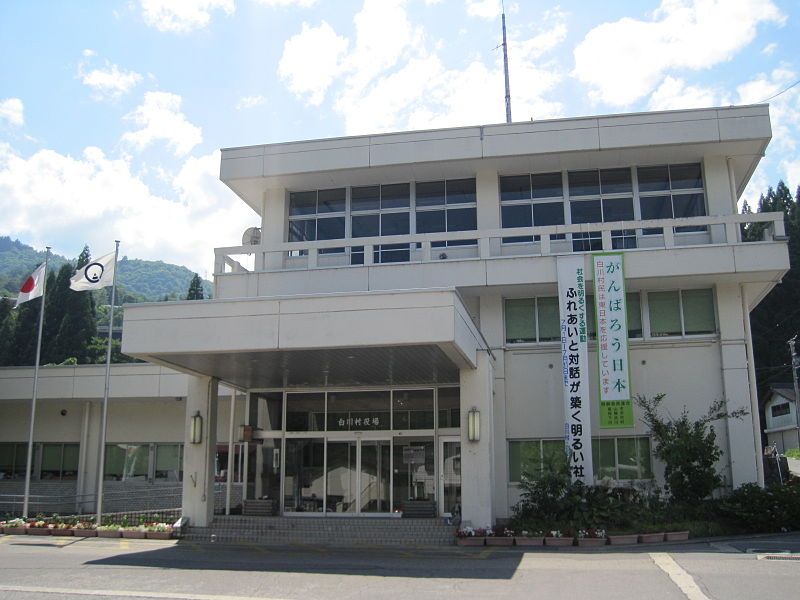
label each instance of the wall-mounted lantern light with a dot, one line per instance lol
(196, 428)
(474, 425)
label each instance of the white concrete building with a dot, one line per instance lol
(399, 282)
(780, 413)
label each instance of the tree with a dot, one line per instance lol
(78, 326)
(688, 448)
(195, 288)
(6, 330)
(54, 312)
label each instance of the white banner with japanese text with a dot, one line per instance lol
(613, 362)
(575, 366)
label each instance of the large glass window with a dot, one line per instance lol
(601, 196)
(381, 210)
(412, 409)
(169, 462)
(671, 191)
(304, 483)
(59, 461)
(14, 458)
(531, 458)
(127, 461)
(622, 458)
(317, 215)
(682, 312)
(531, 201)
(305, 411)
(532, 320)
(443, 206)
(449, 403)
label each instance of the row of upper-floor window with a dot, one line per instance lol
(673, 313)
(538, 199)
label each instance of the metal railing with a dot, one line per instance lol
(497, 243)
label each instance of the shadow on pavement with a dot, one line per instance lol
(452, 563)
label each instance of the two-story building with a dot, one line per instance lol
(395, 320)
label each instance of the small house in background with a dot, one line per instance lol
(781, 418)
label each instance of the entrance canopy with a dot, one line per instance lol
(394, 338)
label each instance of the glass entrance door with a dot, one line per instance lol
(450, 475)
(374, 474)
(357, 477)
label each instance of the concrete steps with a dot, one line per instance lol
(327, 531)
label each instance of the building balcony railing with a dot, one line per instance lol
(497, 243)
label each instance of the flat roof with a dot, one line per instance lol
(739, 132)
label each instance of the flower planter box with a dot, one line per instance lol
(529, 541)
(61, 532)
(591, 542)
(470, 541)
(651, 538)
(38, 531)
(554, 541)
(623, 540)
(500, 541)
(84, 532)
(108, 533)
(133, 534)
(676, 536)
(159, 535)
(15, 530)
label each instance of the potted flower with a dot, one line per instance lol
(15, 527)
(554, 537)
(500, 537)
(529, 538)
(61, 528)
(39, 527)
(84, 529)
(591, 537)
(158, 531)
(467, 536)
(135, 532)
(112, 530)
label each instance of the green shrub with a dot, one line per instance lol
(792, 453)
(752, 508)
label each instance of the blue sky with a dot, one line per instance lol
(112, 113)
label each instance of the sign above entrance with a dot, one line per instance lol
(575, 365)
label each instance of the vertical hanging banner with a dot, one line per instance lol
(613, 360)
(575, 365)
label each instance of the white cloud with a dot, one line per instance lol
(311, 61)
(55, 199)
(110, 82)
(783, 153)
(485, 9)
(284, 3)
(88, 53)
(769, 49)
(13, 111)
(160, 118)
(246, 102)
(390, 77)
(674, 94)
(625, 60)
(182, 16)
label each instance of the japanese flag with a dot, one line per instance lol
(33, 286)
(99, 273)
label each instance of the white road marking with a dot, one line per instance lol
(678, 576)
(125, 593)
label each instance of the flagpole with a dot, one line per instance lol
(102, 460)
(28, 464)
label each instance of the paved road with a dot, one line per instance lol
(48, 568)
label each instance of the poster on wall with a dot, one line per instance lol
(613, 359)
(575, 364)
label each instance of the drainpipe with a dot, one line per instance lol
(751, 379)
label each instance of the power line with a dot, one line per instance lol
(779, 93)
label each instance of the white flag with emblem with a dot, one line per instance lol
(99, 273)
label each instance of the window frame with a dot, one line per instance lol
(672, 192)
(646, 312)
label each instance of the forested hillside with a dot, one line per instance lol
(137, 280)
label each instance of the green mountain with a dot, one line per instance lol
(137, 280)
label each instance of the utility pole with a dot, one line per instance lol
(505, 68)
(795, 365)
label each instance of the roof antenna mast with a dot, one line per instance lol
(505, 67)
